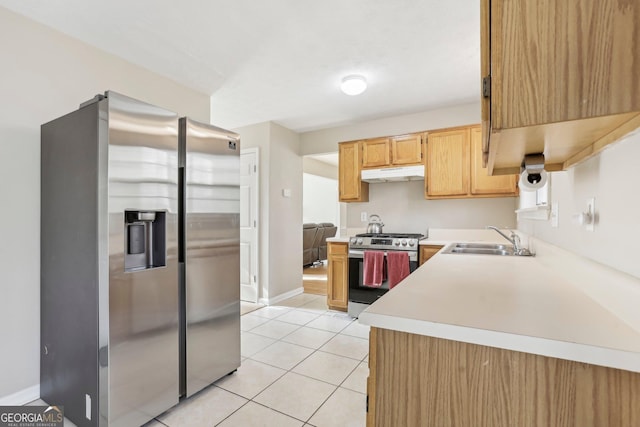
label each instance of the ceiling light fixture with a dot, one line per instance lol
(353, 85)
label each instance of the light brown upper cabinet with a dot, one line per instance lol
(376, 153)
(454, 167)
(406, 150)
(481, 181)
(559, 78)
(447, 173)
(350, 186)
(394, 151)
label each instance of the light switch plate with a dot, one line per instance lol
(363, 216)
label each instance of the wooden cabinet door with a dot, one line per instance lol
(350, 187)
(406, 150)
(447, 171)
(538, 70)
(427, 251)
(376, 153)
(338, 275)
(563, 79)
(481, 181)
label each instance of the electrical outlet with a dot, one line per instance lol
(363, 216)
(554, 214)
(591, 211)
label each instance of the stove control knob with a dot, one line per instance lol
(412, 243)
(396, 242)
(360, 241)
(352, 241)
(404, 242)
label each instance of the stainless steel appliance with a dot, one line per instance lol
(209, 254)
(112, 260)
(360, 296)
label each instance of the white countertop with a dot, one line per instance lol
(516, 303)
(344, 239)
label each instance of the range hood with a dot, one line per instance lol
(406, 173)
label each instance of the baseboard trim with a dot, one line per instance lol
(281, 297)
(21, 397)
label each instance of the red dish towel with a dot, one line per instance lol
(373, 273)
(397, 267)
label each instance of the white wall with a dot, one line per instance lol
(326, 140)
(285, 223)
(320, 199)
(280, 219)
(611, 177)
(45, 74)
(316, 167)
(402, 206)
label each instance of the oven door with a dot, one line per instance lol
(364, 294)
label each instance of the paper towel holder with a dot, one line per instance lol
(532, 173)
(533, 164)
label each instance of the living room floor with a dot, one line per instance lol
(302, 365)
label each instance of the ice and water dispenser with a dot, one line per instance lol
(145, 240)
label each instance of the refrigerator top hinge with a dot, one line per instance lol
(93, 100)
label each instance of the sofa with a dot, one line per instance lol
(330, 230)
(314, 241)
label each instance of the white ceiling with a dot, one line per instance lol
(283, 60)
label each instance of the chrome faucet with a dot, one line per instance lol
(514, 239)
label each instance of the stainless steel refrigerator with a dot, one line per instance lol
(210, 254)
(120, 336)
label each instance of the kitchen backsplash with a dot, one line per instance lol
(403, 209)
(610, 178)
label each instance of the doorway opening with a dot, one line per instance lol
(320, 217)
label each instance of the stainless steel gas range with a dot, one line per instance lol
(360, 296)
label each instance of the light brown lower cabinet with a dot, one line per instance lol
(337, 275)
(427, 251)
(415, 380)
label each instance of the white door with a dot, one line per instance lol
(249, 225)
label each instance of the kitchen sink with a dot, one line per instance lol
(479, 249)
(482, 246)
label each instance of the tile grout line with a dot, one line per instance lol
(334, 391)
(335, 334)
(292, 368)
(306, 376)
(242, 406)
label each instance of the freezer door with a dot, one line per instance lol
(140, 372)
(211, 173)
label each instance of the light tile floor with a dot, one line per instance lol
(303, 365)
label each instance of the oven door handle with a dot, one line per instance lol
(358, 254)
(413, 256)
